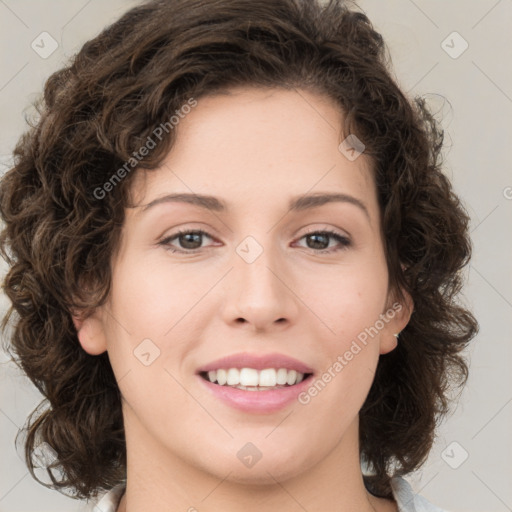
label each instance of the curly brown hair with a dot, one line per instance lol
(60, 235)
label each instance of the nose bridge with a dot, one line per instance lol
(255, 267)
(257, 292)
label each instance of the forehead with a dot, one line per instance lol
(258, 146)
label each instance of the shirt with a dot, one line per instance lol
(403, 494)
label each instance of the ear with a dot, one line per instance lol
(90, 332)
(395, 317)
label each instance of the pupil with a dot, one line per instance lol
(317, 236)
(189, 240)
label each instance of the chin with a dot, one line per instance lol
(264, 475)
(278, 466)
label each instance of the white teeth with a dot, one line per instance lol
(281, 376)
(233, 377)
(291, 378)
(249, 377)
(221, 377)
(268, 377)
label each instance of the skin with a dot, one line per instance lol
(254, 149)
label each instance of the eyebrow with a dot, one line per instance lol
(296, 204)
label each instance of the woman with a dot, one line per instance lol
(235, 258)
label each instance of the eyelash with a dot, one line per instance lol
(344, 241)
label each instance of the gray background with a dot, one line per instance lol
(471, 91)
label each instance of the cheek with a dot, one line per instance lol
(152, 326)
(146, 336)
(351, 299)
(151, 296)
(350, 354)
(355, 301)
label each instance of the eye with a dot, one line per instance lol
(320, 241)
(190, 241)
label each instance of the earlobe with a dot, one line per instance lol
(90, 333)
(387, 343)
(399, 315)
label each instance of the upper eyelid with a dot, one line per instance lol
(309, 231)
(332, 232)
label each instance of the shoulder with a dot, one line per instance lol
(407, 500)
(107, 501)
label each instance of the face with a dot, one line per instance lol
(261, 275)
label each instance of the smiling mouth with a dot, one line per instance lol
(250, 379)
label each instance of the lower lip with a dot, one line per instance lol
(257, 401)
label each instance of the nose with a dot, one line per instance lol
(260, 293)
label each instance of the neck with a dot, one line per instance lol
(160, 480)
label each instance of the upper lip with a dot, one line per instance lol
(256, 361)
